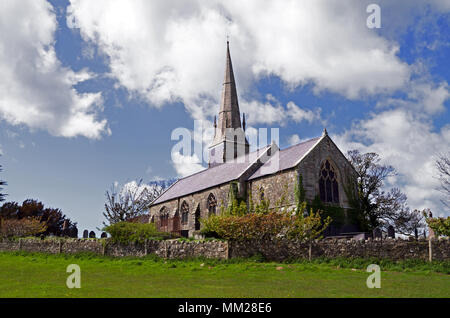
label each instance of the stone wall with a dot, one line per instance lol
(394, 249)
(280, 250)
(166, 249)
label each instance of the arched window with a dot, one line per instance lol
(328, 185)
(212, 204)
(261, 194)
(184, 212)
(163, 217)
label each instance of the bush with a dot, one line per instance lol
(440, 226)
(21, 227)
(126, 232)
(264, 226)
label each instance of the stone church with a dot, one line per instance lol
(264, 173)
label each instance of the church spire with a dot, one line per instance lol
(229, 116)
(229, 137)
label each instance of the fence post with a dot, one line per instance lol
(309, 250)
(430, 250)
(20, 244)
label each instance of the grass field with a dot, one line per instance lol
(42, 275)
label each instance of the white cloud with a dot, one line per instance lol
(409, 143)
(157, 49)
(294, 139)
(136, 188)
(421, 97)
(271, 111)
(297, 114)
(36, 90)
(186, 165)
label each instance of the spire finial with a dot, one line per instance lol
(243, 121)
(325, 133)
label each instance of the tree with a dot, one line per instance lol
(23, 227)
(376, 207)
(52, 218)
(440, 226)
(131, 201)
(2, 183)
(443, 166)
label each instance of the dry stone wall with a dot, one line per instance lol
(394, 249)
(277, 250)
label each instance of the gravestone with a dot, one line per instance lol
(377, 233)
(391, 231)
(104, 235)
(91, 234)
(85, 234)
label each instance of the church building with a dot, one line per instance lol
(266, 173)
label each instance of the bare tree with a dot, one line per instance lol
(443, 166)
(2, 183)
(377, 207)
(130, 201)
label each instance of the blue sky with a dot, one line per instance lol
(92, 90)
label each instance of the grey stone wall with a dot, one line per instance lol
(279, 250)
(394, 249)
(166, 249)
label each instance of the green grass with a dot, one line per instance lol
(43, 275)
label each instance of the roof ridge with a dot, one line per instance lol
(301, 143)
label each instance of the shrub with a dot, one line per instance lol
(440, 226)
(21, 227)
(264, 226)
(260, 222)
(126, 232)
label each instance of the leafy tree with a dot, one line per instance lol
(440, 226)
(377, 208)
(52, 218)
(22, 227)
(131, 201)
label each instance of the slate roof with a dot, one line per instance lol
(210, 177)
(288, 158)
(230, 171)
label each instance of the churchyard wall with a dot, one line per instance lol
(279, 250)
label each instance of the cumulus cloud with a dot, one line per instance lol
(408, 142)
(272, 111)
(157, 49)
(185, 164)
(294, 139)
(36, 90)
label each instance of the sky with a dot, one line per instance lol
(91, 91)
